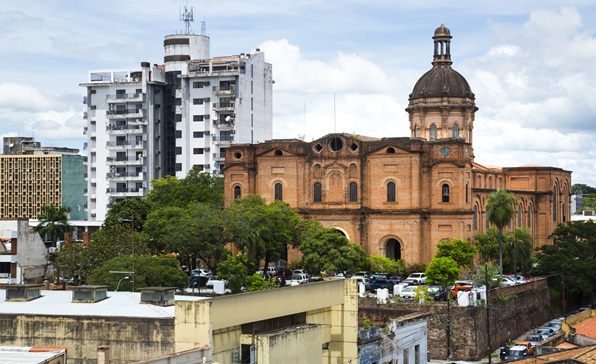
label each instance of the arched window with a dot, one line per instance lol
(467, 191)
(445, 192)
(519, 216)
(391, 192)
(317, 192)
(237, 192)
(353, 192)
(529, 216)
(455, 131)
(486, 218)
(416, 130)
(393, 249)
(475, 223)
(433, 132)
(279, 191)
(555, 204)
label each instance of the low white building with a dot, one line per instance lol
(23, 255)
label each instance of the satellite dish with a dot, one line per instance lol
(228, 118)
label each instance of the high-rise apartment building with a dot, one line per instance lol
(32, 176)
(160, 120)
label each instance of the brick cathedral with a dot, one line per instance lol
(401, 196)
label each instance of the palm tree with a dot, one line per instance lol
(53, 222)
(520, 249)
(501, 209)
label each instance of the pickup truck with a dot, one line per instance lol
(380, 282)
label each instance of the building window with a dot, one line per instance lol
(445, 193)
(519, 216)
(529, 217)
(197, 101)
(178, 133)
(433, 132)
(416, 130)
(391, 192)
(279, 189)
(251, 104)
(178, 167)
(198, 150)
(317, 192)
(197, 118)
(475, 218)
(178, 117)
(555, 203)
(237, 192)
(455, 131)
(353, 192)
(197, 134)
(178, 150)
(467, 191)
(197, 84)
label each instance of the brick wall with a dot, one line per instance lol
(513, 311)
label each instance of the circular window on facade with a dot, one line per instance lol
(237, 155)
(278, 152)
(354, 147)
(318, 147)
(335, 144)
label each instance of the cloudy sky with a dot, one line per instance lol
(531, 64)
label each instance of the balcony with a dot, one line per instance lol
(219, 123)
(125, 176)
(219, 157)
(223, 139)
(124, 161)
(122, 98)
(125, 145)
(125, 192)
(124, 129)
(224, 90)
(125, 113)
(223, 106)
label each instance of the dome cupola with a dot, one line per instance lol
(441, 104)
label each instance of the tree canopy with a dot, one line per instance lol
(126, 212)
(459, 250)
(443, 271)
(150, 271)
(53, 222)
(500, 208)
(195, 187)
(518, 255)
(263, 231)
(383, 264)
(573, 250)
(328, 250)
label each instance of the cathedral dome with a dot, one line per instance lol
(442, 80)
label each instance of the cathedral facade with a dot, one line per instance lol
(400, 196)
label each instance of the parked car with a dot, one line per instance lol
(528, 345)
(297, 279)
(534, 338)
(362, 273)
(408, 292)
(418, 278)
(437, 293)
(518, 278)
(315, 279)
(554, 324)
(546, 332)
(299, 271)
(199, 277)
(507, 281)
(271, 271)
(514, 352)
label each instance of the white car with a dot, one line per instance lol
(213, 280)
(418, 278)
(408, 292)
(507, 281)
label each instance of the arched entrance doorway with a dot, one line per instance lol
(393, 249)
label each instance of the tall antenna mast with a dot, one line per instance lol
(203, 27)
(187, 17)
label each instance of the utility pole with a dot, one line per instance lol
(487, 316)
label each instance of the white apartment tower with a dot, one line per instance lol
(160, 120)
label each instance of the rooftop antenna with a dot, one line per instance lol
(203, 27)
(187, 17)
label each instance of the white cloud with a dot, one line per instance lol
(21, 97)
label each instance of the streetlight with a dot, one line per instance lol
(132, 238)
(120, 281)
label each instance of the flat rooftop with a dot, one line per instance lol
(118, 304)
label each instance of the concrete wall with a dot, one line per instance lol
(32, 253)
(129, 339)
(332, 305)
(513, 311)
